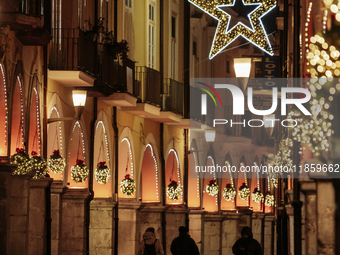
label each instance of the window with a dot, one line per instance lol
(173, 47)
(228, 66)
(128, 3)
(173, 27)
(194, 48)
(151, 38)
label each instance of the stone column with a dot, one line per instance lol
(196, 226)
(230, 231)
(102, 226)
(212, 234)
(72, 227)
(256, 226)
(175, 217)
(326, 217)
(128, 239)
(268, 248)
(57, 189)
(37, 224)
(308, 187)
(5, 175)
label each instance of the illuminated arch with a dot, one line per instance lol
(172, 173)
(125, 164)
(149, 176)
(193, 177)
(210, 203)
(34, 142)
(102, 154)
(3, 113)
(242, 179)
(255, 183)
(77, 144)
(17, 123)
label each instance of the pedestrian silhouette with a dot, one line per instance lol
(184, 244)
(150, 245)
(247, 245)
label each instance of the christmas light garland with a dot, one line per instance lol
(102, 173)
(212, 188)
(229, 193)
(79, 172)
(244, 192)
(173, 191)
(39, 165)
(257, 196)
(269, 200)
(56, 163)
(128, 185)
(23, 162)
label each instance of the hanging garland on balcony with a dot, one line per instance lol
(269, 200)
(257, 196)
(212, 188)
(56, 163)
(229, 192)
(128, 185)
(39, 165)
(102, 173)
(244, 192)
(173, 191)
(79, 172)
(23, 162)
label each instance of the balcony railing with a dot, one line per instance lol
(72, 49)
(173, 97)
(149, 90)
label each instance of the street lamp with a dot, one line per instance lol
(79, 100)
(242, 70)
(210, 135)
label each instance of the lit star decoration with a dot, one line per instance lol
(79, 172)
(173, 191)
(225, 35)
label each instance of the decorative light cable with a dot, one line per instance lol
(6, 109)
(58, 127)
(244, 191)
(77, 124)
(214, 175)
(154, 159)
(106, 141)
(178, 173)
(198, 180)
(38, 118)
(130, 154)
(325, 21)
(229, 191)
(22, 114)
(174, 189)
(307, 25)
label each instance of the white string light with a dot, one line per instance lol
(58, 127)
(130, 154)
(106, 141)
(154, 159)
(38, 118)
(198, 180)
(5, 94)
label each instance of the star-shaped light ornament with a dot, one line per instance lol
(225, 35)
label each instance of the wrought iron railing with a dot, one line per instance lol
(149, 90)
(173, 97)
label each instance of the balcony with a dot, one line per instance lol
(72, 57)
(173, 97)
(149, 90)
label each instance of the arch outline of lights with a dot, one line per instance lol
(130, 153)
(178, 172)
(58, 127)
(6, 109)
(106, 140)
(154, 159)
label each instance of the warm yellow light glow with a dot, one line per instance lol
(79, 97)
(242, 67)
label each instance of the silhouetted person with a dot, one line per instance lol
(150, 245)
(184, 244)
(247, 245)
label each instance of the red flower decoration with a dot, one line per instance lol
(127, 176)
(56, 152)
(34, 153)
(173, 181)
(20, 150)
(228, 185)
(102, 163)
(244, 184)
(212, 182)
(79, 162)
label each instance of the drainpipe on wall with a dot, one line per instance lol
(91, 169)
(186, 176)
(115, 129)
(163, 187)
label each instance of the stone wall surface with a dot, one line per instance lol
(174, 219)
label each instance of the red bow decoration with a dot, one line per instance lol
(34, 153)
(20, 150)
(228, 185)
(56, 152)
(127, 176)
(102, 163)
(173, 181)
(244, 184)
(256, 189)
(212, 182)
(79, 162)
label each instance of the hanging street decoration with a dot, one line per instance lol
(23, 162)
(226, 33)
(39, 165)
(79, 172)
(102, 173)
(128, 185)
(269, 200)
(56, 163)
(229, 192)
(257, 196)
(244, 192)
(173, 191)
(212, 188)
